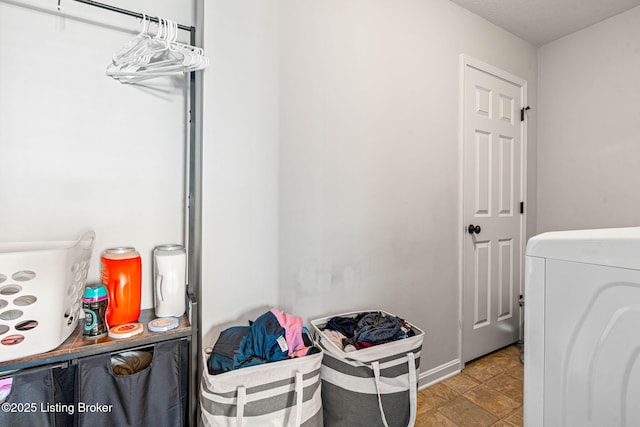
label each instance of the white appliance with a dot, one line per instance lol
(582, 329)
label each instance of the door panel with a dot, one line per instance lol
(483, 173)
(505, 178)
(482, 284)
(505, 279)
(492, 191)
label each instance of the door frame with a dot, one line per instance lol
(465, 61)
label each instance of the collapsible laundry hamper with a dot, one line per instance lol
(31, 392)
(375, 386)
(282, 393)
(155, 396)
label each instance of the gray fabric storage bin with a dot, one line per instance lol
(42, 396)
(154, 397)
(64, 394)
(375, 386)
(32, 390)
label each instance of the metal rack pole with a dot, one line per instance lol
(128, 12)
(194, 221)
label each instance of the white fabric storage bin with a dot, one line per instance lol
(283, 393)
(375, 386)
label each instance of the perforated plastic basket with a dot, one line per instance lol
(41, 289)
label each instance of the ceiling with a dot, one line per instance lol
(542, 21)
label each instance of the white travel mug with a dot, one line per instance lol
(169, 280)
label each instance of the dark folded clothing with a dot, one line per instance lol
(345, 325)
(367, 329)
(264, 340)
(224, 350)
(379, 328)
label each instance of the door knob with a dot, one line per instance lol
(474, 229)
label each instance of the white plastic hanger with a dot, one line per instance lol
(139, 40)
(146, 57)
(160, 60)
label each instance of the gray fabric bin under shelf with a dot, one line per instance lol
(155, 396)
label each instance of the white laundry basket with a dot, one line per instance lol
(41, 289)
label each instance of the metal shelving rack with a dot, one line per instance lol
(193, 210)
(193, 223)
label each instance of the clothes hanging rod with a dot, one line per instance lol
(127, 12)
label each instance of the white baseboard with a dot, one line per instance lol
(439, 373)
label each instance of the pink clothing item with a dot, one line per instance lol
(5, 388)
(293, 332)
(335, 337)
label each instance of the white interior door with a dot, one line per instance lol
(493, 159)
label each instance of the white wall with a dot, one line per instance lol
(79, 150)
(240, 156)
(589, 132)
(330, 149)
(369, 152)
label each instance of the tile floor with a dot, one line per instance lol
(488, 392)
